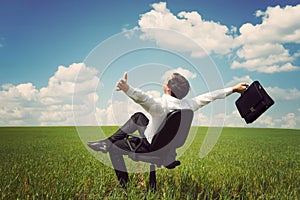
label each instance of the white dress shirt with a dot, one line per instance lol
(158, 108)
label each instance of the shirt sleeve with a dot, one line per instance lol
(204, 99)
(151, 105)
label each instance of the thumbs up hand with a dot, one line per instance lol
(122, 84)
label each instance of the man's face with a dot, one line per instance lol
(165, 87)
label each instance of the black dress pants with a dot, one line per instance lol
(137, 122)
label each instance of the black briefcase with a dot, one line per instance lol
(253, 102)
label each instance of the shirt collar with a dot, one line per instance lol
(170, 98)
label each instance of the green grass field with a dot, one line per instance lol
(246, 163)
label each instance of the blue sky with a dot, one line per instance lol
(37, 37)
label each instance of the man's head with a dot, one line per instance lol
(177, 86)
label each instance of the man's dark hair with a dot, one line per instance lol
(178, 85)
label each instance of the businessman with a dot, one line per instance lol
(175, 88)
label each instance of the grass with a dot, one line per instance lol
(246, 163)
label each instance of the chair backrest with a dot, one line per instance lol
(173, 131)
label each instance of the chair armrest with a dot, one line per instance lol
(133, 135)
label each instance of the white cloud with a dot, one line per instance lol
(57, 115)
(267, 58)
(281, 94)
(262, 45)
(10, 91)
(117, 112)
(212, 36)
(234, 119)
(252, 51)
(289, 121)
(266, 121)
(24, 104)
(61, 86)
(259, 47)
(15, 113)
(258, 65)
(201, 119)
(28, 91)
(237, 80)
(186, 73)
(278, 25)
(16, 103)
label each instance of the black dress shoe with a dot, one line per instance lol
(102, 145)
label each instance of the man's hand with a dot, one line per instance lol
(240, 88)
(122, 84)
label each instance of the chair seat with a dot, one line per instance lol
(154, 159)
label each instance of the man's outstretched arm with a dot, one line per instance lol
(140, 97)
(204, 99)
